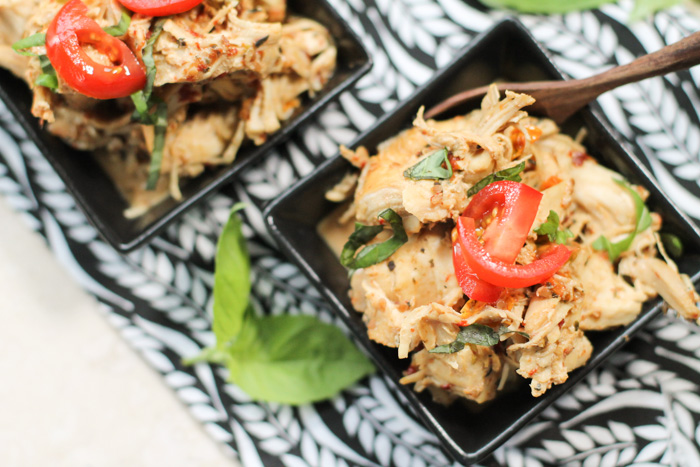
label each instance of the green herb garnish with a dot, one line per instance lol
(48, 76)
(642, 8)
(378, 252)
(477, 334)
(35, 40)
(291, 359)
(512, 174)
(550, 228)
(144, 101)
(672, 244)
(160, 125)
(120, 28)
(643, 222)
(431, 167)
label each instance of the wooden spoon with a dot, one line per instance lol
(559, 100)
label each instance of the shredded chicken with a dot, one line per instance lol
(228, 71)
(412, 301)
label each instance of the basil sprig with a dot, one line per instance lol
(378, 252)
(431, 167)
(550, 228)
(511, 173)
(290, 359)
(643, 222)
(642, 8)
(477, 334)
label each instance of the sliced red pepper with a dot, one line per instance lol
(471, 285)
(66, 36)
(160, 7)
(515, 206)
(503, 274)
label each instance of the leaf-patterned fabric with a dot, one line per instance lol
(641, 407)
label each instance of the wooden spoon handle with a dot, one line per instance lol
(561, 99)
(678, 56)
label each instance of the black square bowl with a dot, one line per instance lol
(506, 52)
(99, 198)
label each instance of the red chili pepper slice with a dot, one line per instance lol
(500, 273)
(516, 208)
(160, 7)
(471, 285)
(66, 37)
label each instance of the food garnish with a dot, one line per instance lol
(435, 166)
(551, 229)
(291, 359)
(476, 334)
(378, 252)
(511, 173)
(643, 222)
(70, 29)
(160, 7)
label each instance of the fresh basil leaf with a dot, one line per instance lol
(550, 228)
(120, 28)
(546, 6)
(294, 359)
(231, 280)
(378, 252)
(47, 80)
(35, 40)
(48, 76)
(477, 334)
(160, 125)
(512, 174)
(672, 244)
(645, 8)
(148, 60)
(431, 167)
(643, 222)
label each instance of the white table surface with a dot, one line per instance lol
(75, 393)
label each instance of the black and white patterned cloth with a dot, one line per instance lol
(641, 408)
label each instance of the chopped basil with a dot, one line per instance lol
(643, 222)
(120, 28)
(512, 174)
(431, 167)
(48, 76)
(672, 244)
(378, 252)
(35, 40)
(144, 101)
(160, 125)
(291, 359)
(550, 228)
(477, 334)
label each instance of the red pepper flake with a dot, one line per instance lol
(518, 139)
(411, 369)
(534, 132)
(446, 386)
(532, 372)
(579, 157)
(561, 324)
(453, 161)
(462, 323)
(550, 182)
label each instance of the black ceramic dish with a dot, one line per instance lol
(506, 52)
(97, 195)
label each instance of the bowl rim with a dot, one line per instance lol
(127, 243)
(593, 117)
